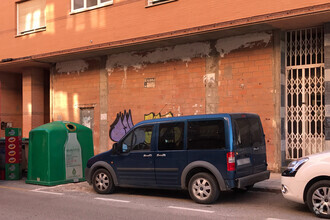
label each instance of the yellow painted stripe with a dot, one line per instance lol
(13, 188)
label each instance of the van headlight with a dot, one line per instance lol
(294, 166)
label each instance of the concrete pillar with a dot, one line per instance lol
(279, 97)
(283, 98)
(104, 129)
(51, 93)
(211, 79)
(33, 99)
(327, 84)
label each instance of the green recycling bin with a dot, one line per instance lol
(58, 153)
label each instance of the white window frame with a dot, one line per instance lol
(85, 8)
(32, 30)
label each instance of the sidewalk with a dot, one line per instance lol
(273, 184)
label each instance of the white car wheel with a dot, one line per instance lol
(318, 198)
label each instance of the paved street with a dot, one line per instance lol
(78, 201)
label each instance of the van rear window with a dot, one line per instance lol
(248, 132)
(203, 135)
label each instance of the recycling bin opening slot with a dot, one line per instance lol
(70, 127)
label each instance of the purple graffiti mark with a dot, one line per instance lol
(122, 124)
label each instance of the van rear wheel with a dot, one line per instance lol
(203, 188)
(103, 182)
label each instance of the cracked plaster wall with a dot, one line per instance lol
(71, 66)
(184, 52)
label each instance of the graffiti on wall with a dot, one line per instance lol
(124, 122)
(121, 125)
(152, 115)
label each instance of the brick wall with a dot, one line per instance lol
(11, 100)
(179, 89)
(246, 85)
(75, 90)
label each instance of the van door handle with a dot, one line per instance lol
(256, 148)
(161, 155)
(147, 155)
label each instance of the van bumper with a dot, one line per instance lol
(252, 179)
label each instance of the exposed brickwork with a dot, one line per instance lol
(246, 85)
(179, 89)
(74, 90)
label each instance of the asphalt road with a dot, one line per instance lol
(78, 201)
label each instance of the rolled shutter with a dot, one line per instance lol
(31, 15)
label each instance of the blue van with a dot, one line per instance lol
(205, 154)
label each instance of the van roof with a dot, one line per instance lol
(204, 116)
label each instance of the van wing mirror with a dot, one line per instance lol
(115, 148)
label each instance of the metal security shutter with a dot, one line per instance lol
(304, 92)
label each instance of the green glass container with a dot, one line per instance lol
(58, 153)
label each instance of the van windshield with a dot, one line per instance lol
(248, 132)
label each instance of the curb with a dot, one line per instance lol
(272, 190)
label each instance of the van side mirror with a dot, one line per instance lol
(115, 148)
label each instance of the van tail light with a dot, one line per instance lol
(231, 161)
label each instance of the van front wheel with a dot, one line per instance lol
(203, 188)
(102, 182)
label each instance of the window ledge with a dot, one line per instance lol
(77, 11)
(31, 31)
(160, 3)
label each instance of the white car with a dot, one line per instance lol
(307, 180)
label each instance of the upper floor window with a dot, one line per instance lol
(31, 16)
(81, 5)
(157, 2)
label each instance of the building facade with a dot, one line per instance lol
(109, 64)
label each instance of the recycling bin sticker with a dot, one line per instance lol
(73, 161)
